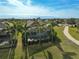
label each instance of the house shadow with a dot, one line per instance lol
(33, 49)
(50, 56)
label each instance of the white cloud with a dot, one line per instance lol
(36, 11)
(16, 3)
(30, 10)
(22, 9)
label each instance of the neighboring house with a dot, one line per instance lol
(4, 38)
(2, 26)
(3, 35)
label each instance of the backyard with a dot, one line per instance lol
(64, 49)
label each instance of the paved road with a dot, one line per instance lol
(66, 33)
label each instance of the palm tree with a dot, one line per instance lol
(51, 30)
(18, 34)
(14, 30)
(9, 31)
(26, 41)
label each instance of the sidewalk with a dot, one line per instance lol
(66, 33)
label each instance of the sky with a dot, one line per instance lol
(43, 8)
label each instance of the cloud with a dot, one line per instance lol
(23, 10)
(17, 3)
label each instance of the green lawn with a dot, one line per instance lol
(19, 48)
(74, 33)
(71, 51)
(4, 53)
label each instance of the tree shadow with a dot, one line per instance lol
(32, 57)
(56, 41)
(43, 50)
(68, 55)
(49, 55)
(12, 53)
(25, 51)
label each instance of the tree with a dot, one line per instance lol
(11, 32)
(25, 41)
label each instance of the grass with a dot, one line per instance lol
(67, 45)
(53, 52)
(4, 53)
(33, 49)
(70, 50)
(74, 33)
(18, 49)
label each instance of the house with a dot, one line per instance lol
(38, 31)
(2, 27)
